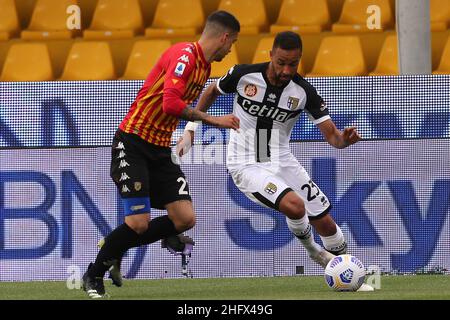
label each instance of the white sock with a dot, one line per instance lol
(303, 231)
(336, 243)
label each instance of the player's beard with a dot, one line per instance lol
(219, 57)
(283, 80)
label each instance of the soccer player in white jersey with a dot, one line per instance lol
(269, 98)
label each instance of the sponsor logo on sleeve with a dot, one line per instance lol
(184, 58)
(179, 69)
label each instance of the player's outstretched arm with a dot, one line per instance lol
(205, 101)
(187, 139)
(229, 121)
(173, 104)
(335, 137)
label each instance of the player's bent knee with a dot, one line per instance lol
(188, 222)
(184, 223)
(293, 207)
(139, 228)
(138, 223)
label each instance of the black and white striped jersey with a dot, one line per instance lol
(267, 113)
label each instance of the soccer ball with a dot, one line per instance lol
(345, 273)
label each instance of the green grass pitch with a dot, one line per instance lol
(434, 287)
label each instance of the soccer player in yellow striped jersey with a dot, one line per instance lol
(141, 163)
(154, 114)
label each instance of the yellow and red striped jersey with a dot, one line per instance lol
(183, 70)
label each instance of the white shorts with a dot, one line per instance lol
(266, 184)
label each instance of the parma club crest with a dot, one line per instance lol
(270, 188)
(293, 103)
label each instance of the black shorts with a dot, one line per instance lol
(141, 170)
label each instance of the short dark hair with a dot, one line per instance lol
(287, 40)
(225, 20)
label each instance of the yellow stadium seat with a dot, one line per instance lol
(115, 19)
(262, 53)
(218, 69)
(49, 20)
(339, 56)
(250, 13)
(388, 59)
(311, 16)
(27, 62)
(444, 64)
(175, 18)
(143, 57)
(9, 22)
(439, 14)
(354, 16)
(89, 61)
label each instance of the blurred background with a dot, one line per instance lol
(118, 37)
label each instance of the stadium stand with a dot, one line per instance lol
(89, 61)
(124, 25)
(176, 18)
(115, 19)
(439, 14)
(339, 56)
(312, 16)
(9, 22)
(27, 62)
(250, 13)
(49, 21)
(444, 64)
(354, 16)
(144, 55)
(388, 60)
